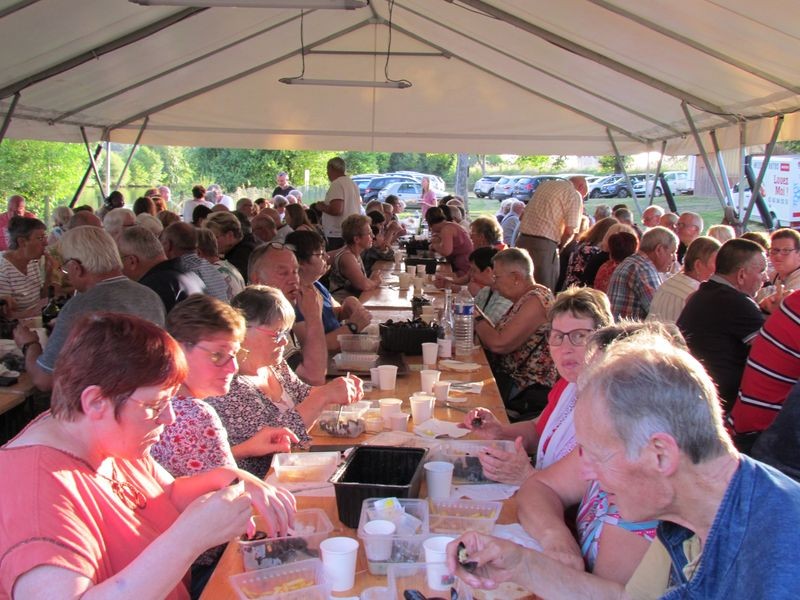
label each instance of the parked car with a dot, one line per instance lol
(362, 180)
(640, 189)
(525, 187)
(504, 188)
(485, 185)
(437, 183)
(380, 182)
(594, 186)
(679, 182)
(618, 188)
(410, 192)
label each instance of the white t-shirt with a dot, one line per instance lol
(346, 189)
(190, 205)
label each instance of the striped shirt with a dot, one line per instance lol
(214, 281)
(772, 368)
(24, 288)
(670, 298)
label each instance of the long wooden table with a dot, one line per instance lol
(219, 588)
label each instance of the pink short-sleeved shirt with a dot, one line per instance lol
(55, 510)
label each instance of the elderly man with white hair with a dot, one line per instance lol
(118, 219)
(649, 428)
(341, 200)
(510, 223)
(651, 216)
(92, 263)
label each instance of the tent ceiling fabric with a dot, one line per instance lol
(501, 76)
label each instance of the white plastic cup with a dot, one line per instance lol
(441, 389)
(378, 546)
(427, 378)
(420, 270)
(405, 280)
(339, 562)
(398, 421)
(445, 348)
(438, 477)
(388, 375)
(421, 407)
(375, 593)
(375, 378)
(437, 574)
(430, 350)
(389, 406)
(419, 284)
(411, 269)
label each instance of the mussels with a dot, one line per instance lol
(463, 559)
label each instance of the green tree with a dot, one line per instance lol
(146, 169)
(609, 162)
(534, 163)
(40, 170)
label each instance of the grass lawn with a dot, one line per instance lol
(708, 208)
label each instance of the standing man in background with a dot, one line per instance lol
(284, 187)
(342, 200)
(548, 223)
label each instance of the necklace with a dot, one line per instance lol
(130, 495)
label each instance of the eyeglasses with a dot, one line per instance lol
(577, 337)
(282, 246)
(152, 411)
(782, 251)
(66, 262)
(220, 359)
(277, 336)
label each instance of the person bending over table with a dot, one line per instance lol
(450, 240)
(649, 424)
(266, 398)
(347, 276)
(84, 510)
(516, 346)
(337, 319)
(575, 313)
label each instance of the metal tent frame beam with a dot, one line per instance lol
(99, 51)
(589, 54)
(624, 171)
(7, 119)
(749, 68)
(755, 190)
(573, 84)
(704, 155)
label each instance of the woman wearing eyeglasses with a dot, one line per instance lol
(21, 282)
(574, 315)
(84, 509)
(337, 319)
(267, 403)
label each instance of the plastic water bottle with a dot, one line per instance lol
(464, 322)
(446, 327)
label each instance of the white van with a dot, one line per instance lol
(781, 189)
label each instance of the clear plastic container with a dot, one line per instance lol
(411, 530)
(301, 580)
(355, 361)
(357, 342)
(414, 576)
(304, 466)
(311, 526)
(464, 456)
(458, 516)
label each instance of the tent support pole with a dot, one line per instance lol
(133, 151)
(703, 154)
(723, 171)
(624, 171)
(7, 119)
(756, 189)
(742, 165)
(92, 163)
(657, 173)
(85, 177)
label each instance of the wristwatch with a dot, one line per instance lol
(351, 326)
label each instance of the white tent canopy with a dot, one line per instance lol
(501, 76)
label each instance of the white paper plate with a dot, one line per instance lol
(460, 366)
